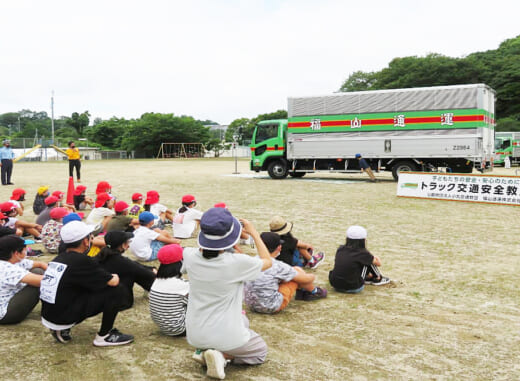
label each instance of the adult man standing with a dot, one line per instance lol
(75, 287)
(365, 167)
(74, 160)
(6, 156)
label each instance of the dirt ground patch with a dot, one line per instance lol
(452, 312)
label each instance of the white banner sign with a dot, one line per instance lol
(460, 187)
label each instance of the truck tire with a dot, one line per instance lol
(403, 166)
(296, 175)
(277, 169)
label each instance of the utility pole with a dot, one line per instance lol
(52, 116)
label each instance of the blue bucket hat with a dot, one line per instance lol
(219, 230)
(146, 217)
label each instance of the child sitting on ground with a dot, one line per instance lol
(122, 221)
(130, 272)
(39, 199)
(81, 201)
(187, 218)
(45, 215)
(354, 266)
(137, 206)
(148, 241)
(294, 252)
(152, 205)
(103, 187)
(22, 228)
(272, 291)
(169, 293)
(103, 211)
(61, 202)
(51, 230)
(17, 198)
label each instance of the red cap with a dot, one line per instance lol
(17, 194)
(103, 187)
(152, 197)
(137, 196)
(120, 206)
(188, 198)
(58, 194)
(7, 207)
(220, 205)
(101, 199)
(58, 213)
(79, 190)
(170, 254)
(51, 200)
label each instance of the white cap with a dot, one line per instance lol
(356, 232)
(75, 231)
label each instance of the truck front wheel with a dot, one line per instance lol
(403, 166)
(277, 169)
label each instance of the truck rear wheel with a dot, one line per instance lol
(403, 166)
(277, 169)
(296, 175)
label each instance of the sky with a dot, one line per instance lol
(221, 60)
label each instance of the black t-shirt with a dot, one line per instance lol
(78, 200)
(288, 247)
(4, 230)
(39, 204)
(348, 265)
(129, 271)
(82, 276)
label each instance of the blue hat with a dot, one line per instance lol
(219, 230)
(358, 155)
(146, 217)
(71, 217)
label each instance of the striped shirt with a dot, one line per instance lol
(168, 304)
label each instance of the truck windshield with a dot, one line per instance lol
(502, 144)
(265, 131)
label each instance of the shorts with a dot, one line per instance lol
(156, 246)
(287, 289)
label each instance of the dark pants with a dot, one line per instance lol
(7, 169)
(22, 303)
(75, 164)
(108, 301)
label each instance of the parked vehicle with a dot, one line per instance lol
(395, 130)
(507, 144)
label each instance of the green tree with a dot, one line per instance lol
(236, 127)
(79, 121)
(359, 81)
(109, 133)
(146, 134)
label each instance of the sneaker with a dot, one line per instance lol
(320, 293)
(34, 253)
(299, 294)
(316, 260)
(198, 356)
(62, 336)
(378, 282)
(216, 363)
(112, 338)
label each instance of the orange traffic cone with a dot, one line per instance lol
(70, 191)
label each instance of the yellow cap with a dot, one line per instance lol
(43, 189)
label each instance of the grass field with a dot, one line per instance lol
(452, 312)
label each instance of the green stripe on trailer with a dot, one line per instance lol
(415, 120)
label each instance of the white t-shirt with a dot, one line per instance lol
(97, 215)
(10, 277)
(184, 224)
(156, 210)
(140, 245)
(214, 315)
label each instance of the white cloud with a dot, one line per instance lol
(220, 60)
